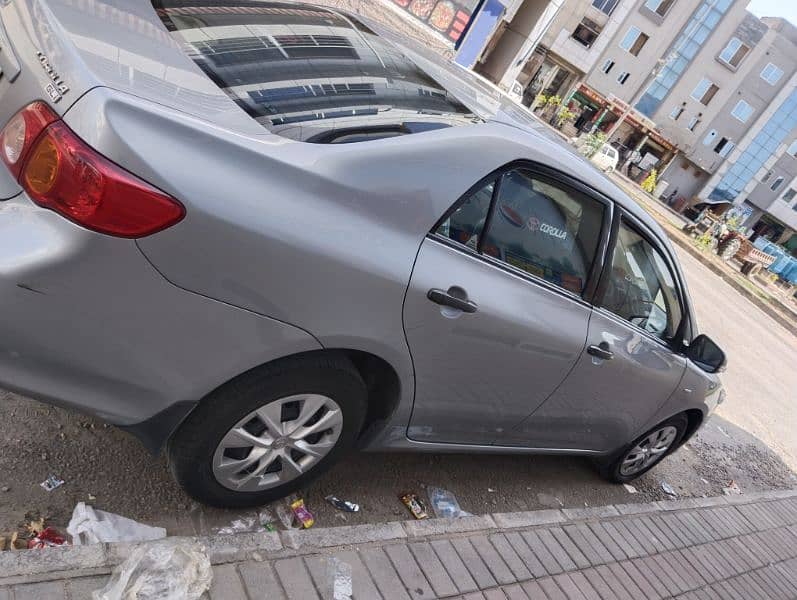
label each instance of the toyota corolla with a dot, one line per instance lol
(260, 234)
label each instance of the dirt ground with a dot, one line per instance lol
(750, 441)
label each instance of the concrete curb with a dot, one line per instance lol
(32, 566)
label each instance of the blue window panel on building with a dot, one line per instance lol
(686, 47)
(760, 149)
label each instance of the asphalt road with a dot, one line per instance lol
(110, 470)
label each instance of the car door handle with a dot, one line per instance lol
(444, 298)
(601, 351)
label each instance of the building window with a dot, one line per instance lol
(724, 147)
(633, 41)
(587, 32)
(793, 149)
(734, 52)
(742, 111)
(789, 195)
(660, 7)
(758, 151)
(709, 137)
(623, 77)
(682, 52)
(676, 113)
(771, 74)
(776, 184)
(705, 91)
(693, 123)
(607, 66)
(605, 6)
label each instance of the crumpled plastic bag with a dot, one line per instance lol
(90, 526)
(172, 569)
(445, 504)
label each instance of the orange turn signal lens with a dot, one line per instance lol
(41, 170)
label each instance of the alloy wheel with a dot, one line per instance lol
(648, 450)
(277, 442)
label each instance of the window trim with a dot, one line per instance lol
(655, 11)
(673, 344)
(588, 294)
(736, 106)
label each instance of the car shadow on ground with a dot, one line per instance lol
(109, 469)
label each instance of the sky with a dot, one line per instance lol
(774, 8)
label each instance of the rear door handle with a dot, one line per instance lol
(444, 298)
(601, 351)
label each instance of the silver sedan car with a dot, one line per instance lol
(260, 234)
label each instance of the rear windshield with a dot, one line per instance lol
(309, 73)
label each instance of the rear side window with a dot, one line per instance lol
(641, 288)
(536, 225)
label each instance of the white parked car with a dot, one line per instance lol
(606, 158)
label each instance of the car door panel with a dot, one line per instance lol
(478, 374)
(603, 404)
(628, 369)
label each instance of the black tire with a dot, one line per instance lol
(610, 469)
(192, 447)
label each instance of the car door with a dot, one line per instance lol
(630, 366)
(494, 314)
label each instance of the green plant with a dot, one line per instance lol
(650, 181)
(593, 142)
(554, 101)
(704, 241)
(565, 115)
(541, 100)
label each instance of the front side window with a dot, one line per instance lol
(771, 74)
(693, 123)
(633, 41)
(793, 149)
(537, 226)
(660, 7)
(641, 288)
(676, 113)
(742, 111)
(607, 66)
(734, 52)
(623, 77)
(789, 195)
(776, 184)
(705, 91)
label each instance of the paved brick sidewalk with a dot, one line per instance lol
(698, 549)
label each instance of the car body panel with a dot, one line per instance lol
(90, 324)
(590, 409)
(312, 247)
(494, 367)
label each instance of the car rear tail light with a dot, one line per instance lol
(18, 135)
(61, 172)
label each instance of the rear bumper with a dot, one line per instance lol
(86, 322)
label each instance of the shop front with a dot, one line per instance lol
(640, 145)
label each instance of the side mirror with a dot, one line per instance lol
(705, 353)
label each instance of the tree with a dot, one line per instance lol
(650, 182)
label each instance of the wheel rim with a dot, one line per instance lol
(648, 451)
(277, 442)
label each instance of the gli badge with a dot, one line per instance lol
(57, 88)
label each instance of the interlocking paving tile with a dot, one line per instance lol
(295, 579)
(433, 569)
(385, 576)
(511, 558)
(542, 552)
(478, 570)
(454, 566)
(530, 560)
(260, 581)
(501, 572)
(409, 571)
(226, 584)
